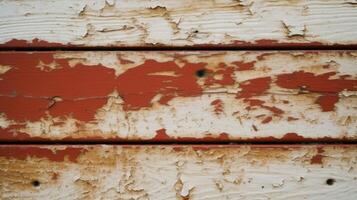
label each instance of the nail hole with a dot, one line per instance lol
(201, 73)
(196, 31)
(35, 183)
(330, 181)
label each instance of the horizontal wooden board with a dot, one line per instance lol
(140, 23)
(178, 96)
(178, 172)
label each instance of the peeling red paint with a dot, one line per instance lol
(28, 90)
(22, 152)
(259, 103)
(11, 134)
(327, 102)
(224, 71)
(317, 159)
(254, 87)
(139, 85)
(293, 137)
(161, 135)
(34, 43)
(218, 106)
(243, 66)
(322, 84)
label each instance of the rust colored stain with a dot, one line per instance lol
(21, 153)
(292, 118)
(34, 43)
(322, 84)
(267, 120)
(317, 159)
(218, 106)
(254, 87)
(266, 43)
(243, 66)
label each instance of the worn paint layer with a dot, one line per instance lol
(180, 172)
(200, 23)
(183, 96)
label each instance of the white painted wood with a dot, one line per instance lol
(179, 23)
(180, 172)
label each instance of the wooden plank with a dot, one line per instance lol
(178, 96)
(178, 172)
(139, 23)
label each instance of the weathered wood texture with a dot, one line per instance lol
(178, 96)
(178, 172)
(177, 23)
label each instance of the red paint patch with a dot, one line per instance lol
(218, 106)
(222, 71)
(28, 90)
(34, 43)
(292, 137)
(22, 152)
(322, 84)
(327, 102)
(139, 85)
(161, 135)
(317, 159)
(259, 103)
(254, 87)
(243, 66)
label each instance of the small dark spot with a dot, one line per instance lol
(35, 183)
(330, 181)
(263, 187)
(196, 31)
(201, 73)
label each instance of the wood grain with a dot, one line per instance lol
(139, 23)
(178, 172)
(178, 96)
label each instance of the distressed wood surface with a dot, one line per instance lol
(178, 96)
(178, 172)
(140, 23)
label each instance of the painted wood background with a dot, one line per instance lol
(178, 172)
(178, 23)
(184, 96)
(108, 120)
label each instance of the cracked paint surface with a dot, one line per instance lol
(190, 95)
(139, 23)
(179, 172)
